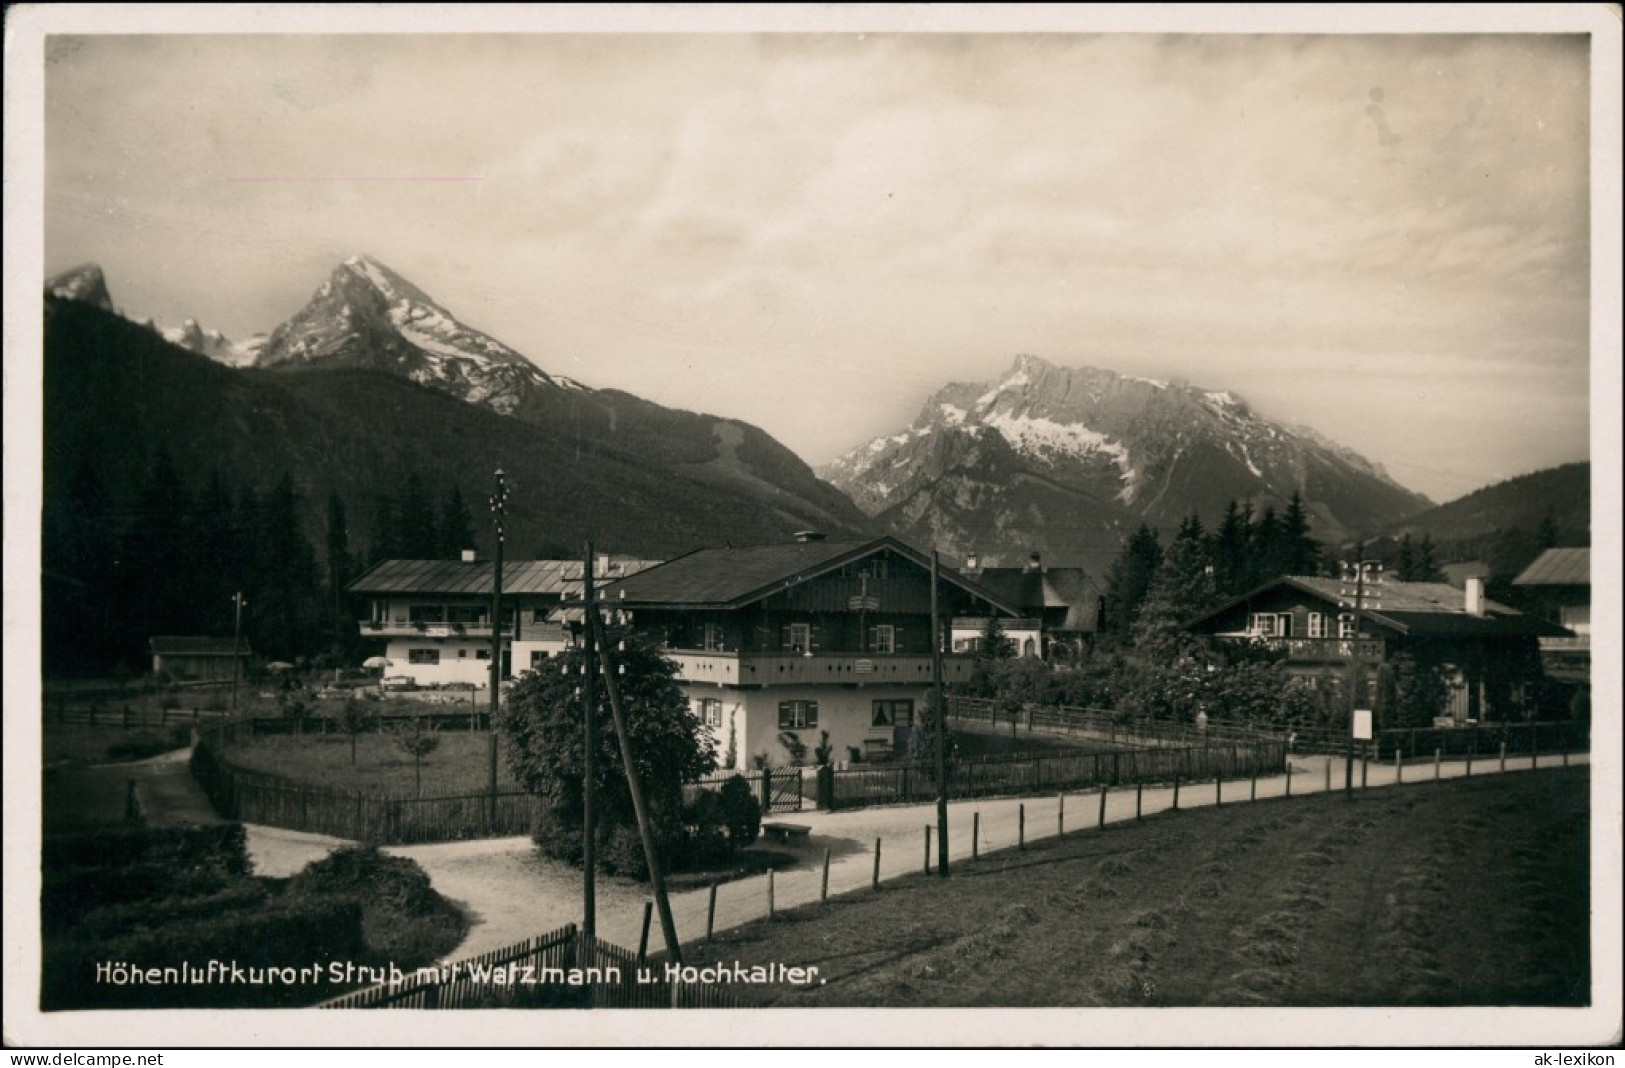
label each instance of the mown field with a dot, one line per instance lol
(1464, 893)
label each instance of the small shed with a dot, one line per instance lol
(193, 659)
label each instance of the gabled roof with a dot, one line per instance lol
(732, 578)
(1032, 590)
(460, 578)
(1418, 609)
(1557, 567)
(169, 645)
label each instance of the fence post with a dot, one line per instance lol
(1060, 811)
(1176, 791)
(1328, 774)
(1365, 766)
(1289, 777)
(928, 849)
(1252, 794)
(1103, 789)
(1503, 756)
(1021, 826)
(1139, 790)
(648, 911)
(975, 835)
(1399, 765)
(769, 903)
(1534, 746)
(1438, 764)
(877, 864)
(1565, 748)
(767, 790)
(1218, 789)
(1470, 758)
(711, 913)
(823, 889)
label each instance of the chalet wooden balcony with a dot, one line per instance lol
(400, 629)
(1320, 650)
(782, 669)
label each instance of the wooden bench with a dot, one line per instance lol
(783, 832)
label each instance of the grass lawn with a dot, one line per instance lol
(460, 766)
(80, 744)
(1471, 892)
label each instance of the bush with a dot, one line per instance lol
(741, 815)
(403, 919)
(281, 934)
(706, 837)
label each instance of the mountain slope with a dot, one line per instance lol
(1523, 503)
(115, 392)
(1057, 458)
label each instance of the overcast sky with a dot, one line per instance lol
(1385, 238)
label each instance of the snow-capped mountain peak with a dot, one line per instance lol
(1146, 447)
(85, 282)
(367, 315)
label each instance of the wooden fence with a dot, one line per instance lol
(277, 801)
(553, 970)
(1482, 739)
(885, 784)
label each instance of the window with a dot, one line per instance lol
(466, 613)
(536, 657)
(423, 656)
(427, 613)
(1317, 625)
(710, 711)
(713, 637)
(1345, 625)
(891, 713)
(482, 654)
(797, 715)
(799, 637)
(1270, 624)
(884, 638)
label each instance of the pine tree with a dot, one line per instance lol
(340, 569)
(1182, 589)
(1427, 564)
(416, 528)
(1231, 545)
(1129, 579)
(1302, 552)
(1267, 556)
(384, 545)
(1405, 566)
(456, 530)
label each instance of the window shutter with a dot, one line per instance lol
(785, 643)
(814, 632)
(874, 639)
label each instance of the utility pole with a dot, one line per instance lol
(236, 645)
(1360, 568)
(589, 704)
(640, 806)
(499, 515)
(940, 712)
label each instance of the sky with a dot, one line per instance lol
(1386, 238)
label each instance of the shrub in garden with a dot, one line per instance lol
(741, 815)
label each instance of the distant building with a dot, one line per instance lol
(1058, 609)
(785, 643)
(1492, 648)
(436, 614)
(1559, 584)
(199, 659)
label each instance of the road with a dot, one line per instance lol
(512, 894)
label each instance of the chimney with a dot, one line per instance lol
(973, 564)
(1475, 596)
(470, 556)
(808, 535)
(1035, 562)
